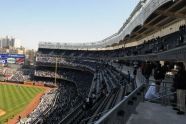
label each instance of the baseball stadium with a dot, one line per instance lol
(135, 76)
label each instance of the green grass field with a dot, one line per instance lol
(13, 99)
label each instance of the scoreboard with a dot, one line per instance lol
(12, 58)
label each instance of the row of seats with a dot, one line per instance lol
(115, 82)
(52, 60)
(108, 89)
(154, 45)
(96, 94)
(67, 100)
(82, 79)
(45, 104)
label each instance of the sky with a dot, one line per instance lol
(66, 21)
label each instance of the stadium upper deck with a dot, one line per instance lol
(149, 19)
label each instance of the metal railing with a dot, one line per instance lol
(122, 111)
(71, 116)
(163, 96)
(164, 93)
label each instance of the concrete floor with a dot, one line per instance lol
(151, 113)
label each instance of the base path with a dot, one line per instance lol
(2, 112)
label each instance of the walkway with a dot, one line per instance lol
(151, 113)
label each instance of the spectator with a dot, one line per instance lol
(159, 75)
(146, 71)
(180, 86)
(128, 76)
(135, 73)
(104, 88)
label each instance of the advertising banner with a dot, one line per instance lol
(20, 60)
(12, 58)
(3, 61)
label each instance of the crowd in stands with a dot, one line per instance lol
(44, 106)
(88, 63)
(82, 79)
(106, 81)
(109, 85)
(52, 60)
(45, 83)
(15, 74)
(6, 71)
(107, 89)
(17, 77)
(21, 75)
(154, 45)
(67, 100)
(45, 73)
(102, 84)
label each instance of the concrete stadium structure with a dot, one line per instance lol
(161, 20)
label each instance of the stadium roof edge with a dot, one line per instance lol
(140, 14)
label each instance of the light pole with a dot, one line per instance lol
(56, 71)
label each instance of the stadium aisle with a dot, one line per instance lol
(152, 113)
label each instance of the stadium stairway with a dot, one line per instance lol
(116, 93)
(152, 113)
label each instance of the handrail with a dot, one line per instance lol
(154, 99)
(121, 112)
(93, 116)
(69, 116)
(160, 86)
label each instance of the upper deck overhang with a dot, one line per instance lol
(163, 15)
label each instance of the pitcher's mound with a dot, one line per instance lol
(2, 112)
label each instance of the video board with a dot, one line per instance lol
(12, 58)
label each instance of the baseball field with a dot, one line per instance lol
(15, 98)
